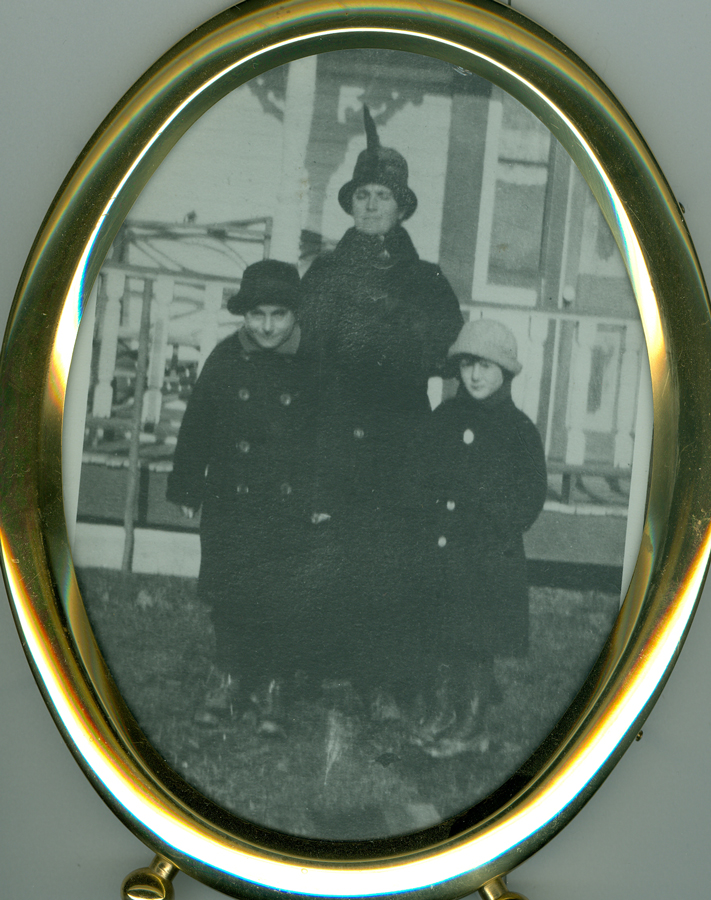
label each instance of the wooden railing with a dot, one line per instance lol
(183, 312)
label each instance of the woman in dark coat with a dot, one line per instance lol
(243, 457)
(484, 482)
(377, 324)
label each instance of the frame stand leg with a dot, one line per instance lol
(496, 890)
(151, 883)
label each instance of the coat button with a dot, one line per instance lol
(358, 433)
(442, 541)
(242, 488)
(285, 399)
(285, 489)
(243, 446)
(450, 505)
(243, 394)
(468, 436)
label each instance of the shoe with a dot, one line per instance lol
(223, 695)
(210, 719)
(448, 747)
(270, 728)
(385, 709)
(220, 704)
(269, 708)
(427, 730)
(464, 734)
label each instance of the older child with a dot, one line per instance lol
(242, 457)
(485, 477)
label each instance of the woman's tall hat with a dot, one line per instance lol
(379, 165)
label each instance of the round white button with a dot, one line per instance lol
(442, 542)
(450, 505)
(243, 394)
(358, 433)
(468, 436)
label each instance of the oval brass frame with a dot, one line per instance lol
(66, 257)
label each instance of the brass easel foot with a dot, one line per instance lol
(496, 890)
(151, 883)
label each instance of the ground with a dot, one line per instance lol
(336, 773)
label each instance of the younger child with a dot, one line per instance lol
(242, 457)
(485, 483)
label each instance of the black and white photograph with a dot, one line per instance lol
(364, 396)
(64, 66)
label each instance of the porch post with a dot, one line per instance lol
(210, 314)
(163, 288)
(627, 397)
(113, 286)
(294, 185)
(580, 369)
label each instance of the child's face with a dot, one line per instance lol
(270, 326)
(480, 377)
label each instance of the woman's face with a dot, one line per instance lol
(269, 326)
(375, 210)
(481, 377)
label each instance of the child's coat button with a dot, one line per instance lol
(442, 541)
(468, 436)
(358, 433)
(450, 505)
(243, 446)
(243, 394)
(285, 399)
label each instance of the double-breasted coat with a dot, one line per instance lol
(377, 323)
(244, 456)
(482, 484)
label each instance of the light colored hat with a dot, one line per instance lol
(490, 340)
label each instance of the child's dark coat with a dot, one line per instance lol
(243, 456)
(484, 484)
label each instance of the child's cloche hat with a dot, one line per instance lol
(490, 340)
(268, 281)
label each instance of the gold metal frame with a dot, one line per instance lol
(171, 817)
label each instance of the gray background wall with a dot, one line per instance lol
(64, 63)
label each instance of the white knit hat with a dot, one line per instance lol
(490, 340)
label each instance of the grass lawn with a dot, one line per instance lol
(336, 774)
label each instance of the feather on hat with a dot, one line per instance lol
(379, 165)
